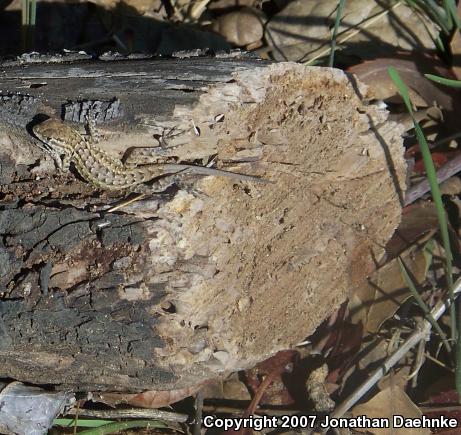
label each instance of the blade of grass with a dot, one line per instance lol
(434, 12)
(82, 422)
(422, 305)
(28, 21)
(450, 7)
(443, 19)
(77, 409)
(444, 81)
(116, 427)
(422, 9)
(430, 173)
(446, 7)
(442, 218)
(339, 15)
(24, 5)
(33, 13)
(32, 23)
(428, 253)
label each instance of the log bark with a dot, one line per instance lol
(213, 275)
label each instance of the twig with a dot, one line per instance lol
(77, 409)
(418, 363)
(412, 340)
(444, 409)
(444, 173)
(197, 10)
(445, 140)
(125, 203)
(198, 413)
(419, 300)
(439, 363)
(223, 409)
(112, 414)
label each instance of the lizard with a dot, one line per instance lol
(65, 144)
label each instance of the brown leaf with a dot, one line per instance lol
(418, 220)
(386, 404)
(231, 388)
(265, 379)
(148, 399)
(345, 351)
(382, 295)
(411, 67)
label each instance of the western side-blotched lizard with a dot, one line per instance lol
(66, 145)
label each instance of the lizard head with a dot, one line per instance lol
(57, 135)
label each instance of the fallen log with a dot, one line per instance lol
(213, 275)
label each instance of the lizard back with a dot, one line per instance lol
(65, 145)
(94, 164)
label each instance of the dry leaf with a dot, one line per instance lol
(386, 404)
(398, 377)
(148, 399)
(382, 295)
(229, 389)
(304, 26)
(418, 220)
(411, 67)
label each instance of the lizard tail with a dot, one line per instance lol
(202, 170)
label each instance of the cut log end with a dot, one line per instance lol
(273, 261)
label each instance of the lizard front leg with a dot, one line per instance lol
(65, 163)
(61, 162)
(163, 153)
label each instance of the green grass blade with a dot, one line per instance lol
(439, 15)
(28, 22)
(423, 8)
(440, 46)
(116, 427)
(422, 305)
(33, 13)
(395, 76)
(444, 81)
(446, 7)
(450, 8)
(339, 15)
(430, 172)
(81, 422)
(428, 253)
(24, 19)
(441, 215)
(433, 11)
(24, 6)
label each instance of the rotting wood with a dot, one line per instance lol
(214, 275)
